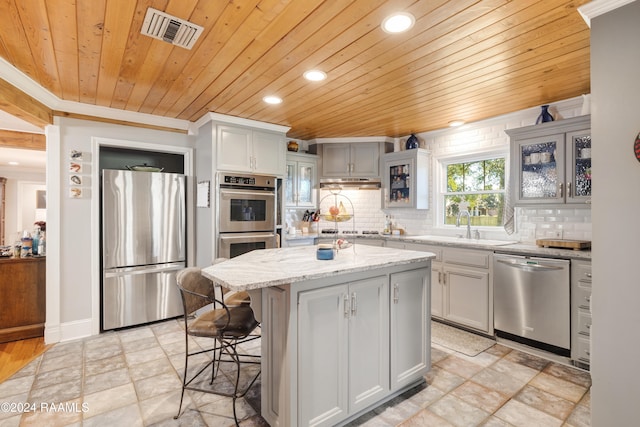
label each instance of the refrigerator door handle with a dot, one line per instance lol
(146, 269)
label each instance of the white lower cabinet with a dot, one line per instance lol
(466, 290)
(343, 348)
(335, 347)
(581, 312)
(461, 290)
(409, 319)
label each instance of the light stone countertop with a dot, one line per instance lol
(515, 247)
(273, 267)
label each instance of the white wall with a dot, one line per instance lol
(205, 218)
(615, 62)
(78, 231)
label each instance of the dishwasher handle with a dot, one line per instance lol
(530, 266)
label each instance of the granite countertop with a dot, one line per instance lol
(274, 267)
(502, 246)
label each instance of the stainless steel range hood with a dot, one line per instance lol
(351, 183)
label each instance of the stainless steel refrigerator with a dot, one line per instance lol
(143, 246)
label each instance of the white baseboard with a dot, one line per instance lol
(68, 331)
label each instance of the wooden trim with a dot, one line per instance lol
(22, 332)
(17, 103)
(23, 140)
(117, 122)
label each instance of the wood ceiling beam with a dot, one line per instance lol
(22, 140)
(23, 106)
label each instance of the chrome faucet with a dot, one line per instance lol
(468, 222)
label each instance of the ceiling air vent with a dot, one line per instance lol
(176, 31)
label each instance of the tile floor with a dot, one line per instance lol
(132, 378)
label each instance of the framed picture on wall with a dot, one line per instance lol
(41, 199)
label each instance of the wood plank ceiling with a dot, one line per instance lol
(463, 59)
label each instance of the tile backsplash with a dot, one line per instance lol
(564, 223)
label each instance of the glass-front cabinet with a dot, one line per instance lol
(406, 175)
(300, 180)
(580, 165)
(551, 162)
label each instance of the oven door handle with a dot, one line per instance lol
(530, 267)
(248, 193)
(245, 236)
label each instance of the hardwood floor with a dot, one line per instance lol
(14, 355)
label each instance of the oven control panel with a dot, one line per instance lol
(257, 181)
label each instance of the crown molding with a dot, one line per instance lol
(233, 120)
(351, 139)
(600, 7)
(21, 81)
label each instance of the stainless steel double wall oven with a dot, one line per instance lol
(246, 213)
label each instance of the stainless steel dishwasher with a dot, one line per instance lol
(532, 301)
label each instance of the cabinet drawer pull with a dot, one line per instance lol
(346, 305)
(354, 304)
(396, 292)
(568, 189)
(561, 190)
(584, 334)
(439, 277)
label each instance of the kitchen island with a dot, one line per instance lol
(339, 337)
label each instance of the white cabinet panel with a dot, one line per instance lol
(234, 148)
(323, 355)
(410, 327)
(343, 336)
(466, 298)
(368, 342)
(269, 152)
(357, 160)
(246, 150)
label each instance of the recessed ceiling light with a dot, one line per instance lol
(315, 75)
(14, 163)
(398, 22)
(272, 100)
(455, 123)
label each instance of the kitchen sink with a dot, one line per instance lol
(452, 239)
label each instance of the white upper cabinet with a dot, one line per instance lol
(241, 149)
(300, 180)
(551, 162)
(351, 160)
(406, 179)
